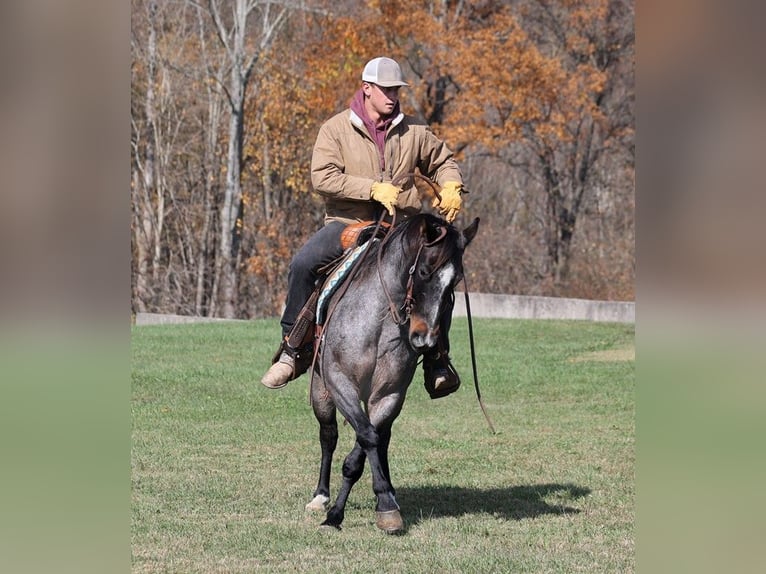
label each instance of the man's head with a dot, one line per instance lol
(381, 80)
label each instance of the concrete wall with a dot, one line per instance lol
(163, 319)
(529, 307)
(491, 306)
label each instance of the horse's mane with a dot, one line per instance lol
(421, 227)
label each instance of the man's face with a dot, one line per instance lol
(382, 100)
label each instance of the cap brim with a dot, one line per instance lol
(390, 84)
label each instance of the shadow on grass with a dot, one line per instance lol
(512, 503)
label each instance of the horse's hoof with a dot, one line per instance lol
(318, 504)
(389, 521)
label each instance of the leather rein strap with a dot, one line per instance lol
(473, 358)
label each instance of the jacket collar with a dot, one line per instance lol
(357, 121)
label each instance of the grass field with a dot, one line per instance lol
(222, 467)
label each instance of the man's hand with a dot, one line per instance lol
(386, 194)
(451, 201)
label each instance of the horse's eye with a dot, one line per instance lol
(425, 271)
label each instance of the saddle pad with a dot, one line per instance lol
(335, 279)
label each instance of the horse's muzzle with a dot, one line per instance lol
(422, 337)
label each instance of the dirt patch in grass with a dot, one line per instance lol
(609, 356)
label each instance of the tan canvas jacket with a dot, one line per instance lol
(345, 164)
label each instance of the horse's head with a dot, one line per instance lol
(436, 270)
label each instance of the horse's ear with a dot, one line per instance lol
(470, 232)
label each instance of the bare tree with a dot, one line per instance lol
(147, 198)
(232, 30)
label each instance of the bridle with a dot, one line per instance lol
(409, 300)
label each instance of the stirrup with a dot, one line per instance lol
(440, 367)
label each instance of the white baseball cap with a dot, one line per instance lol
(383, 72)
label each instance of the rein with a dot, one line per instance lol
(407, 306)
(473, 358)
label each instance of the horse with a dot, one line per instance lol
(368, 352)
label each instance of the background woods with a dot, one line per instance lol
(536, 97)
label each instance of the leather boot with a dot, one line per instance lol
(288, 364)
(280, 372)
(441, 378)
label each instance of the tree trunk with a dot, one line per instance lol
(227, 253)
(145, 187)
(242, 64)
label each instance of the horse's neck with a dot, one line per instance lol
(394, 269)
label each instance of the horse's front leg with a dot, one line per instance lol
(353, 466)
(387, 515)
(384, 435)
(367, 445)
(383, 412)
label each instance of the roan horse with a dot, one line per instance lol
(369, 352)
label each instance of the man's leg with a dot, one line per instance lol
(322, 248)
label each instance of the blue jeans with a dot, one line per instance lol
(322, 248)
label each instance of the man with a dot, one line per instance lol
(358, 153)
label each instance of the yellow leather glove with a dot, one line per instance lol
(385, 193)
(451, 201)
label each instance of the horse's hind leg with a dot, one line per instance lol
(353, 467)
(324, 410)
(328, 439)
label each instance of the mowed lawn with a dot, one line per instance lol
(222, 467)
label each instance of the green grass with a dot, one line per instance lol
(222, 467)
